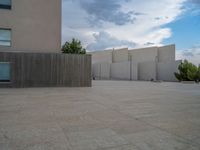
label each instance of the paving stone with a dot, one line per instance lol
(111, 115)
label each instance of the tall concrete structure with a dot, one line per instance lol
(30, 25)
(152, 63)
(30, 47)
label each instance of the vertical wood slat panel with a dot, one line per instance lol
(44, 70)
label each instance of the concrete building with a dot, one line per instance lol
(30, 25)
(30, 47)
(152, 63)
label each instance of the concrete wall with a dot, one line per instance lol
(120, 55)
(48, 69)
(120, 71)
(35, 24)
(166, 70)
(101, 56)
(96, 71)
(166, 53)
(134, 71)
(101, 71)
(144, 54)
(147, 71)
(157, 63)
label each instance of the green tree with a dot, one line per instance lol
(73, 47)
(188, 72)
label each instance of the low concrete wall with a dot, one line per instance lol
(166, 70)
(120, 71)
(147, 71)
(96, 71)
(134, 71)
(45, 69)
(101, 71)
(157, 63)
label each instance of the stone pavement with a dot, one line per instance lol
(112, 115)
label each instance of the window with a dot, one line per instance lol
(5, 37)
(4, 72)
(5, 4)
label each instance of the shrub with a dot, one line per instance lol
(73, 47)
(188, 72)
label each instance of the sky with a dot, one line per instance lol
(106, 24)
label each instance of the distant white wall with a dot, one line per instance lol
(166, 70)
(156, 63)
(120, 55)
(144, 54)
(120, 71)
(101, 71)
(147, 70)
(134, 71)
(166, 53)
(102, 56)
(105, 71)
(96, 71)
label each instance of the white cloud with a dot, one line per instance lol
(114, 23)
(103, 40)
(192, 55)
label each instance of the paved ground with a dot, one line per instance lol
(112, 115)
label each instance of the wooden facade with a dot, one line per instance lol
(48, 69)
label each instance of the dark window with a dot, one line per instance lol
(5, 37)
(4, 71)
(5, 4)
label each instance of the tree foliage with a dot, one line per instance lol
(73, 47)
(188, 72)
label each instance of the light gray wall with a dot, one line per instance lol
(105, 71)
(166, 53)
(35, 24)
(120, 71)
(138, 64)
(134, 71)
(120, 55)
(144, 54)
(166, 70)
(147, 70)
(101, 71)
(101, 56)
(96, 71)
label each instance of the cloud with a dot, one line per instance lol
(102, 24)
(108, 11)
(193, 54)
(103, 40)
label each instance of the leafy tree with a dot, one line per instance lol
(73, 47)
(198, 74)
(188, 72)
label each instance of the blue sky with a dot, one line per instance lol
(104, 24)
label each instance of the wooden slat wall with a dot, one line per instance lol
(48, 69)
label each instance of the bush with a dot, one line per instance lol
(73, 47)
(188, 72)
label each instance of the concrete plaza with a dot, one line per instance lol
(112, 115)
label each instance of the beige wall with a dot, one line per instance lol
(147, 71)
(35, 24)
(166, 70)
(102, 56)
(156, 63)
(120, 71)
(166, 53)
(144, 54)
(120, 55)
